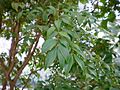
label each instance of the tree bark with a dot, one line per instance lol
(28, 57)
(4, 85)
(12, 85)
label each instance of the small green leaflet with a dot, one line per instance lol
(111, 16)
(104, 24)
(63, 54)
(67, 20)
(50, 31)
(19, 15)
(40, 9)
(64, 51)
(51, 56)
(45, 16)
(61, 59)
(80, 18)
(58, 24)
(64, 34)
(64, 42)
(106, 66)
(15, 6)
(78, 50)
(48, 45)
(52, 10)
(92, 72)
(80, 62)
(69, 64)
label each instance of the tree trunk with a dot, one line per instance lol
(4, 85)
(12, 85)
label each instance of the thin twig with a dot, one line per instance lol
(32, 72)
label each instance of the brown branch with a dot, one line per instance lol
(15, 40)
(0, 22)
(27, 59)
(4, 84)
(12, 51)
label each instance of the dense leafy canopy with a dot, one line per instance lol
(76, 56)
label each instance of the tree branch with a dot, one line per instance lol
(12, 51)
(4, 84)
(29, 55)
(29, 75)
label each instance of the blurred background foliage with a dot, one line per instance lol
(73, 51)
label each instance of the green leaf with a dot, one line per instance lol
(80, 19)
(53, 35)
(21, 5)
(51, 56)
(64, 51)
(48, 45)
(66, 20)
(53, 10)
(84, 1)
(111, 16)
(103, 1)
(45, 16)
(61, 58)
(92, 72)
(64, 42)
(15, 6)
(69, 64)
(63, 54)
(80, 62)
(40, 9)
(50, 31)
(85, 23)
(104, 24)
(64, 34)
(77, 49)
(58, 24)
(19, 15)
(106, 66)
(108, 57)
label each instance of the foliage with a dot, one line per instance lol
(72, 49)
